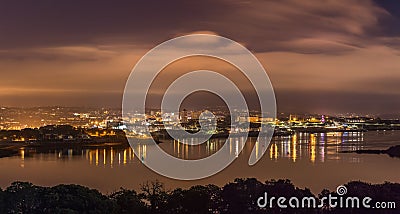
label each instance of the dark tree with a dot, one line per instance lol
(24, 197)
(155, 195)
(128, 201)
(2, 202)
(77, 199)
(241, 196)
(175, 202)
(198, 199)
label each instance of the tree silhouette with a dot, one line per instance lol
(239, 196)
(128, 201)
(155, 195)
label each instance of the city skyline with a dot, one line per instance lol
(14, 118)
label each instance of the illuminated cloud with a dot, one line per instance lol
(86, 51)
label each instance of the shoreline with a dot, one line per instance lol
(12, 149)
(393, 151)
(9, 149)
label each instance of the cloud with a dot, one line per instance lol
(64, 53)
(334, 46)
(262, 25)
(350, 72)
(274, 25)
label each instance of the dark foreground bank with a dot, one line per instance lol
(393, 151)
(239, 196)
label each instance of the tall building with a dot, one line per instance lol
(183, 117)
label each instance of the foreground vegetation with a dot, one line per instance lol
(239, 196)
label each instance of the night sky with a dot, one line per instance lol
(321, 56)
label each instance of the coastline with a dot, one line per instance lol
(393, 151)
(12, 149)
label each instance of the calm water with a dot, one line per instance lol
(309, 160)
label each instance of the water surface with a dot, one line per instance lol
(309, 160)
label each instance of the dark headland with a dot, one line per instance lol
(393, 151)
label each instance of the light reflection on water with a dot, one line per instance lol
(319, 147)
(316, 147)
(314, 161)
